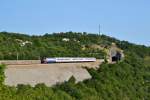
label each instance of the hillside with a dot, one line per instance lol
(51, 45)
(126, 80)
(60, 44)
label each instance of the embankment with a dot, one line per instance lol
(49, 74)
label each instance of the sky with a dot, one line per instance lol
(123, 19)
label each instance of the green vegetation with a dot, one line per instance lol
(125, 80)
(48, 45)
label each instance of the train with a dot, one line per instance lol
(66, 60)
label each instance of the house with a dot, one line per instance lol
(66, 39)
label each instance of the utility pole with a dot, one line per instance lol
(99, 29)
(17, 55)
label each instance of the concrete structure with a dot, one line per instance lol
(19, 62)
(49, 74)
(114, 54)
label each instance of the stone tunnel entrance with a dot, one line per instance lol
(117, 57)
(115, 54)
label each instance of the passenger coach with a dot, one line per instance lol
(66, 60)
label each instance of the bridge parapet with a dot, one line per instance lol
(19, 62)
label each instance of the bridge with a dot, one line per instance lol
(32, 72)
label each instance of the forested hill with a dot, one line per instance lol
(69, 44)
(126, 80)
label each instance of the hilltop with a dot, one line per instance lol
(69, 44)
(126, 80)
(49, 45)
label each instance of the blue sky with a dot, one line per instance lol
(124, 19)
